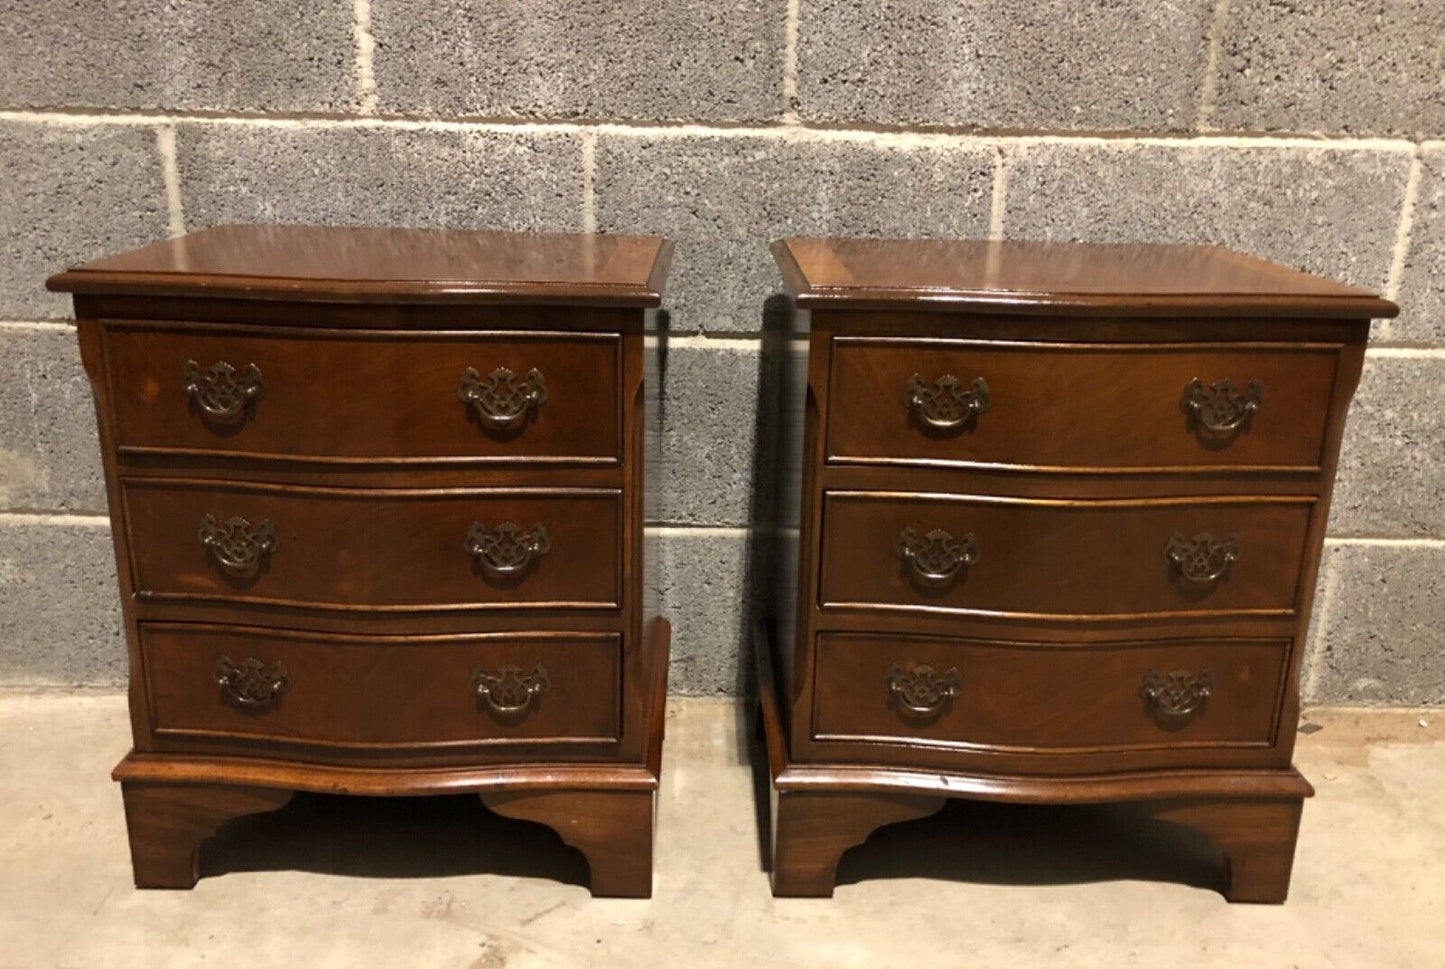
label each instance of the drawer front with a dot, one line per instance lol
(1047, 698)
(294, 687)
(1080, 407)
(337, 396)
(336, 548)
(1063, 559)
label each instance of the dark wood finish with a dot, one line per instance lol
(1070, 559)
(359, 396)
(1014, 787)
(820, 810)
(349, 564)
(168, 822)
(1077, 407)
(1049, 699)
(612, 829)
(1257, 838)
(1053, 567)
(812, 830)
(340, 548)
(1079, 279)
(381, 265)
(345, 691)
(385, 778)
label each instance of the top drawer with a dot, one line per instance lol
(366, 396)
(1080, 407)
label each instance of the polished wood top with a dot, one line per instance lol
(1049, 277)
(333, 264)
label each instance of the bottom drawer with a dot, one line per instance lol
(1047, 697)
(381, 691)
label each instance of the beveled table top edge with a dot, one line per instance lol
(1311, 297)
(380, 265)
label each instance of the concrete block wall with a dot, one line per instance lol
(1311, 132)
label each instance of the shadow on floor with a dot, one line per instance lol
(1010, 844)
(1024, 844)
(968, 841)
(384, 837)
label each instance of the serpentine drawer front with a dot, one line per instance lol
(1131, 558)
(221, 684)
(377, 502)
(343, 548)
(1076, 406)
(1058, 532)
(350, 395)
(1048, 698)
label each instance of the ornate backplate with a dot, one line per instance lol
(921, 691)
(221, 392)
(506, 549)
(1199, 558)
(946, 404)
(1178, 694)
(937, 557)
(502, 398)
(509, 690)
(252, 682)
(236, 545)
(1223, 407)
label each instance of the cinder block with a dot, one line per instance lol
(377, 175)
(1392, 464)
(1383, 636)
(723, 199)
(219, 55)
(49, 454)
(635, 59)
(71, 193)
(1422, 287)
(1126, 64)
(1363, 67)
(702, 581)
(60, 618)
(709, 435)
(1326, 210)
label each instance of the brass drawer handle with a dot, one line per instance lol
(922, 691)
(937, 557)
(501, 398)
(252, 683)
(1178, 694)
(221, 393)
(1222, 408)
(947, 405)
(236, 545)
(1199, 558)
(510, 691)
(507, 550)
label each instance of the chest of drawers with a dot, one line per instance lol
(377, 503)
(1053, 537)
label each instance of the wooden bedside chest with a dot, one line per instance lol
(1056, 533)
(377, 505)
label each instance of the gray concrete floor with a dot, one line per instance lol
(441, 883)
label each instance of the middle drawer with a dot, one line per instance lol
(1069, 559)
(353, 548)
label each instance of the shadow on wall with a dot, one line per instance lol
(775, 466)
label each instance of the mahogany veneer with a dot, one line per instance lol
(377, 505)
(1054, 537)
